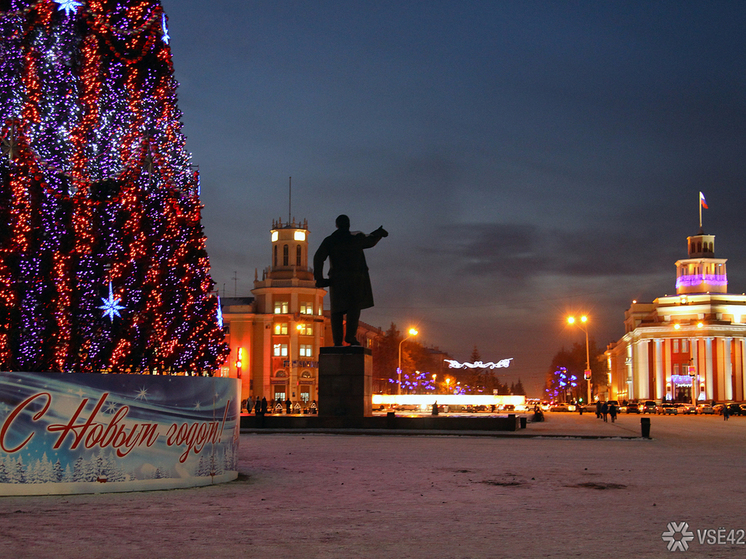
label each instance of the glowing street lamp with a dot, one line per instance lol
(239, 361)
(584, 328)
(412, 332)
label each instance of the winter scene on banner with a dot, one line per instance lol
(127, 432)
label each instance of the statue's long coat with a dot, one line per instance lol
(349, 282)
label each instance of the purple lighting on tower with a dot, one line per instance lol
(712, 279)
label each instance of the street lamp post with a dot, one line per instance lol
(412, 332)
(587, 372)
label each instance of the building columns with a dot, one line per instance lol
(740, 371)
(660, 389)
(642, 368)
(727, 370)
(629, 366)
(707, 358)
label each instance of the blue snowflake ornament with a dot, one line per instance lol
(70, 6)
(111, 305)
(166, 37)
(220, 314)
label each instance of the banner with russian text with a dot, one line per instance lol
(91, 433)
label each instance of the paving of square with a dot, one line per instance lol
(304, 495)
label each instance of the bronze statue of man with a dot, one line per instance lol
(349, 282)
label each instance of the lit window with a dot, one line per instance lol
(305, 329)
(676, 346)
(281, 307)
(281, 329)
(684, 346)
(299, 236)
(306, 350)
(306, 308)
(275, 236)
(280, 350)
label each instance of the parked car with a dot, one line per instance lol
(633, 407)
(705, 409)
(649, 406)
(717, 409)
(687, 409)
(743, 408)
(559, 407)
(734, 409)
(667, 409)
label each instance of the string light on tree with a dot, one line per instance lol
(94, 169)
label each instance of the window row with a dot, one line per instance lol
(286, 255)
(283, 307)
(281, 350)
(281, 329)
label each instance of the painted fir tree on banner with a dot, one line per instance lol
(103, 264)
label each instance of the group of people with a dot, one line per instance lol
(262, 407)
(606, 409)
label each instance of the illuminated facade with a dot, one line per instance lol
(694, 340)
(275, 335)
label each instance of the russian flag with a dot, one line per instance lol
(702, 201)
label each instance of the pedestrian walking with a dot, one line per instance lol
(288, 406)
(598, 410)
(605, 411)
(612, 412)
(726, 413)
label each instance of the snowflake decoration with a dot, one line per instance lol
(220, 314)
(142, 394)
(70, 6)
(111, 305)
(677, 529)
(166, 37)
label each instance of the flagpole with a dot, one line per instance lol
(699, 203)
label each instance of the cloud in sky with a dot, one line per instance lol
(528, 158)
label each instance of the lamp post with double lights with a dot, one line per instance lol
(412, 332)
(587, 373)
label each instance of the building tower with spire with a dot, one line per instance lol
(701, 272)
(275, 335)
(689, 347)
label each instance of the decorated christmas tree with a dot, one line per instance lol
(103, 266)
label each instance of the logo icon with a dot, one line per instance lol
(678, 536)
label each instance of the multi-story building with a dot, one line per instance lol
(275, 335)
(692, 341)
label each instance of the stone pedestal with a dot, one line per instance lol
(345, 384)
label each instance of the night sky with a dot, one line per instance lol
(529, 159)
